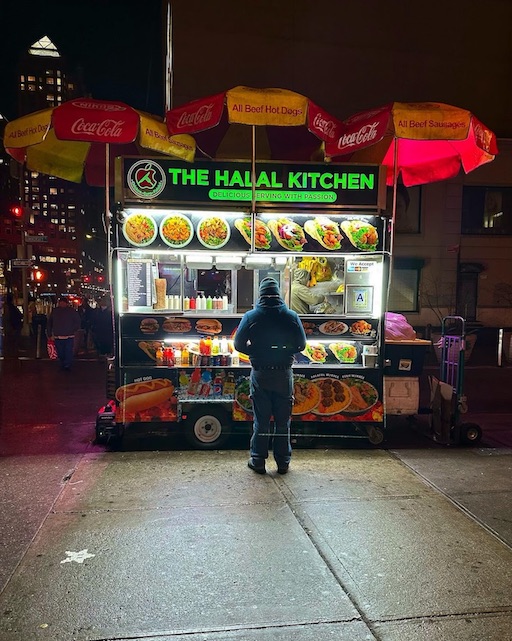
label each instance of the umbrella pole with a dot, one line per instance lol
(395, 184)
(253, 185)
(108, 228)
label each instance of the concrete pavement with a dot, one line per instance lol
(412, 541)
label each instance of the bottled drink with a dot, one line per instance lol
(235, 358)
(159, 355)
(185, 356)
(228, 388)
(177, 357)
(208, 345)
(224, 347)
(215, 346)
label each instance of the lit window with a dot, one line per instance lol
(31, 88)
(31, 78)
(487, 210)
(50, 81)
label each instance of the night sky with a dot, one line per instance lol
(118, 43)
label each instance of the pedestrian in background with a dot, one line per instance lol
(102, 328)
(13, 323)
(63, 324)
(270, 334)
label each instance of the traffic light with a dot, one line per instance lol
(39, 275)
(16, 211)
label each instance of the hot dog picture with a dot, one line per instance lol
(176, 325)
(361, 234)
(208, 326)
(263, 237)
(149, 348)
(137, 397)
(325, 231)
(288, 234)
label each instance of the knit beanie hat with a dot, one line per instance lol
(269, 287)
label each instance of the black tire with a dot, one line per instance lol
(205, 429)
(375, 435)
(470, 433)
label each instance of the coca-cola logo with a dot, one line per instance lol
(327, 127)
(366, 134)
(106, 128)
(202, 115)
(483, 137)
(97, 106)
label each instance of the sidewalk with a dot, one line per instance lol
(350, 545)
(355, 543)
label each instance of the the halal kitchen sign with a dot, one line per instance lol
(339, 185)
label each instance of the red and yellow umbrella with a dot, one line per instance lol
(80, 138)
(290, 126)
(421, 142)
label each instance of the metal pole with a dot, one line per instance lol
(500, 347)
(25, 330)
(168, 67)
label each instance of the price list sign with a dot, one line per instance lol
(139, 283)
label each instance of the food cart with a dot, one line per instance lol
(189, 252)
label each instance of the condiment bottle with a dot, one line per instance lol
(186, 303)
(209, 303)
(192, 303)
(224, 302)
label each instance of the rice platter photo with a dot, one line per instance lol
(140, 229)
(306, 395)
(335, 396)
(176, 231)
(213, 232)
(362, 393)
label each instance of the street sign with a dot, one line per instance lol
(36, 239)
(22, 262)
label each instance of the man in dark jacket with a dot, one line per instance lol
(270, 334)
(63, 324)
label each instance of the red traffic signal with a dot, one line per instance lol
(39, 275)
(16, 211)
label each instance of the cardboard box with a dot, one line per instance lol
(401, 395)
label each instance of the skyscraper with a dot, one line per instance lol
(54, 208)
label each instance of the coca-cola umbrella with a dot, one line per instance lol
(419, 142)
(290, 126)
(80, 138)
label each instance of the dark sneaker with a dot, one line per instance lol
(282, 469)
(258, 468)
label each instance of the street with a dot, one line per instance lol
(412, 540)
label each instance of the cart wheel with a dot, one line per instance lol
(375, 435)
(204, 431)
(470, 433)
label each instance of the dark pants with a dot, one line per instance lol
(272, 396)
(65, 348)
